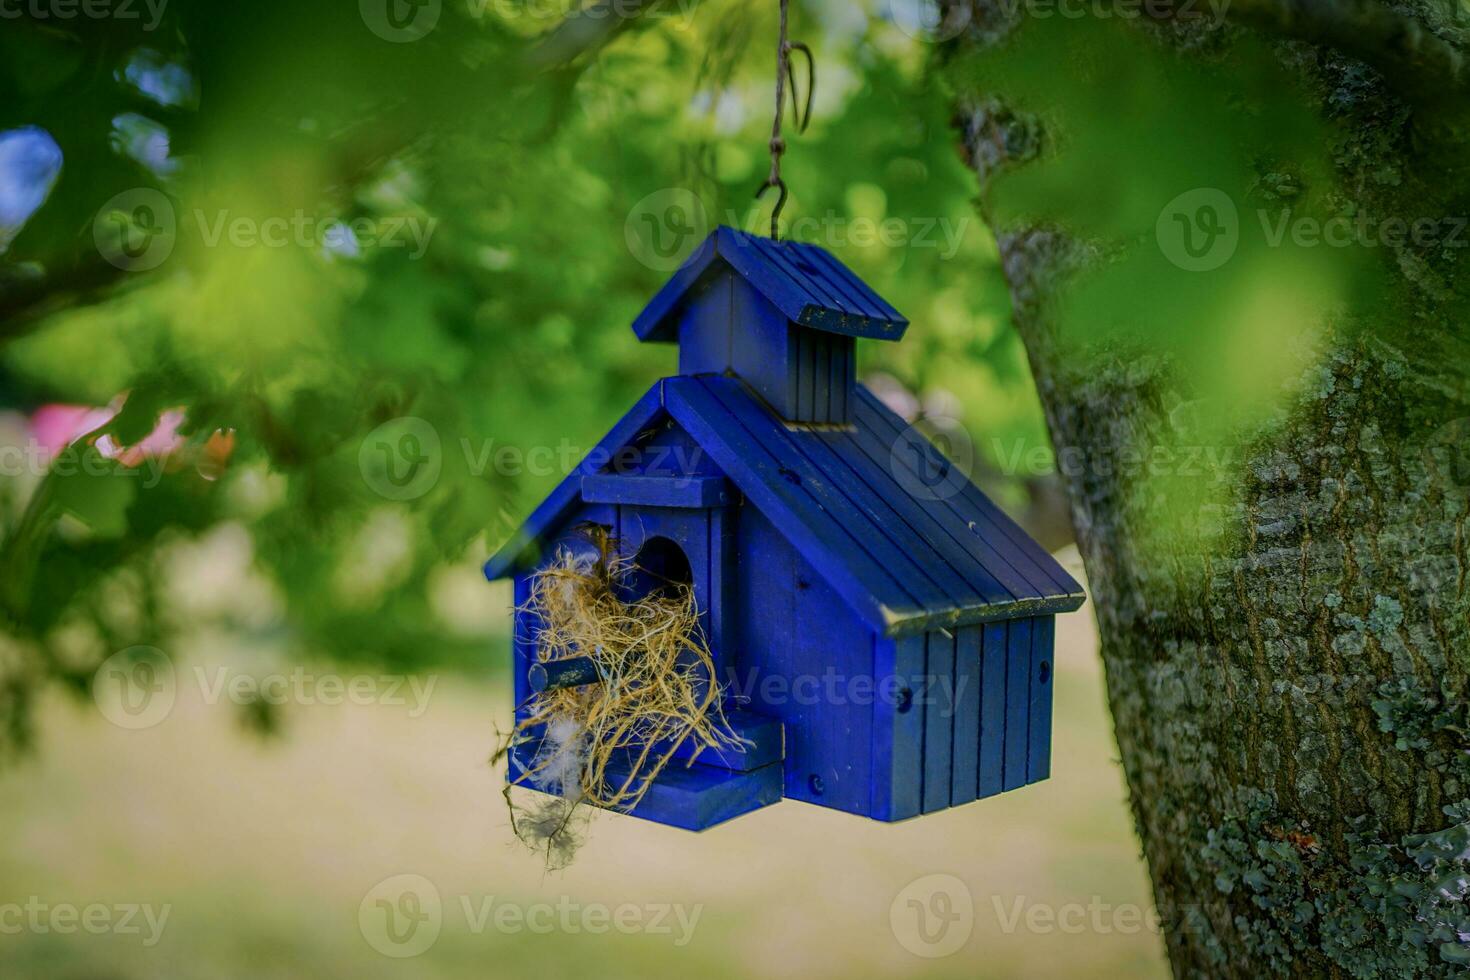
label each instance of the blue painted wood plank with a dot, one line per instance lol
(523, 642)
(938, 719)
(1026, 560)
(763, 741)
(822, 379)
(722, 550)
(793, 467)
(831, 764)
(656, 322)
(799, 298)
(1018, 703)
(691, 797)
(746, 257)
(880, 309)
(846, 288)
(698, 797)
(780, 257)
(965, 765)
(1038, 758)
(657, 491)
(867, 586)
(992, 707)
(898, 728)
(923, 531)
(895, 514)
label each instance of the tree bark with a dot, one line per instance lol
(1287, 671)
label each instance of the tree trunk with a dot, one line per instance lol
(1286, 670)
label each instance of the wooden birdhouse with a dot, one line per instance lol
(882, 630)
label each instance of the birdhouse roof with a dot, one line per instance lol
(907, 541)
(804, 282)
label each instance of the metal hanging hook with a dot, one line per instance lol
(760, 192)
(803, 116)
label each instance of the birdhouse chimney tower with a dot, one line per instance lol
(782, 316)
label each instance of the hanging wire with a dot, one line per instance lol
(802, 117)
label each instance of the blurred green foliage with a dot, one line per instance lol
(492, 172)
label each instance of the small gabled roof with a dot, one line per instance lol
(907, 542)
(803, 281)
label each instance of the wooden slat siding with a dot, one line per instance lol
(520, 549)
(1038, 758)
(1015, 551)
(822, 379)
(837, 381)
(883, 508)
(992, 708)
(925, 520)
(938, 719)
(772, 445)
(898, 736)
(808, 344)
(1018, 703)
(861, 514)
(880, 306)
(829, 637)
(965, 782)
(722, 603)
(867, 586)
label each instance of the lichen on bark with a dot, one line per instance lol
(1287, 650)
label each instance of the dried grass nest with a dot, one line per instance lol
(604, 743)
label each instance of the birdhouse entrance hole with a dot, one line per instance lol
(661, 569)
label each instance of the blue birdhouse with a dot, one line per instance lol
(883, 632)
